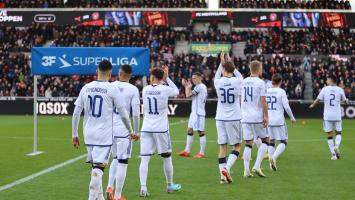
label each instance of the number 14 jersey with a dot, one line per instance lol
(253, 89)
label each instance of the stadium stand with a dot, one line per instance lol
(105, 4)
(344, 70)
(15, 78)
(287, 4)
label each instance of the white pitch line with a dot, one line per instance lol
(55, 167)
(48, 170)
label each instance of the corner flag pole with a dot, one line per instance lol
(35, 93)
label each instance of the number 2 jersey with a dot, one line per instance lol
(155, 102)
(98, 99)
(332, 97)
(228, 91)
(277, 103)
(253, 89)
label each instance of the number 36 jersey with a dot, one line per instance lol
(98, 99)
(228, 90)
(253, 89)
(332, 97)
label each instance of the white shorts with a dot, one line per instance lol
(196, 122)
(121, 148)
(98, 154)
(251, 131)
(229, 132)
(151, 142)
(329, 126)
(278, 132)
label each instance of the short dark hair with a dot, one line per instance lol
(276, 79)
(157, 73)
(126, 69)
(229, 67)
(332, 77)
(197, 74)
(105, 66)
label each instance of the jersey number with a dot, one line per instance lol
(228, 97)
(332, 99)
(96, 105)
(248, 93)
(271, 100)
(151, 106)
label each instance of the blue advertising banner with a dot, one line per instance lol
(84, 60)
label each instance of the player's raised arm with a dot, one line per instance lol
(174, 89)
(218, 73)
(287, 107)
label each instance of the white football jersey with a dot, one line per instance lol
(253, 89)
(130, 94)
(98, 99)
(199, 97)
(332, 97)
(155, 102)
(228, 91)
(277, 101)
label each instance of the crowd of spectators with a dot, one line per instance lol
(344, 70)
(104, 3)
(15, 78)
(287, 4)
(317, 41)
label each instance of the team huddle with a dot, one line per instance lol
(246, 111)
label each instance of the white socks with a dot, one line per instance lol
(95, 183)
(261, 153)
(112, 173)
(331, 145)
(143, 171)
(168, 170)
(271, 149)
(258, 142)
(221, 165)
(231, 159)
(246, 158)
(280, 148)
(120, 178)
(337, 141)
(189, 141)
(203, 142)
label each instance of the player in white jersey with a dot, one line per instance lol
(255, 117)
(98, 100)
(333, 96)
(122, 144)
(277, 103)
(155, 134)
(228, 116)
(197, 116)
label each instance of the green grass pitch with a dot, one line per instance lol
(305, 168)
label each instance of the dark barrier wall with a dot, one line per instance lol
(13, 106)
(243, 19)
